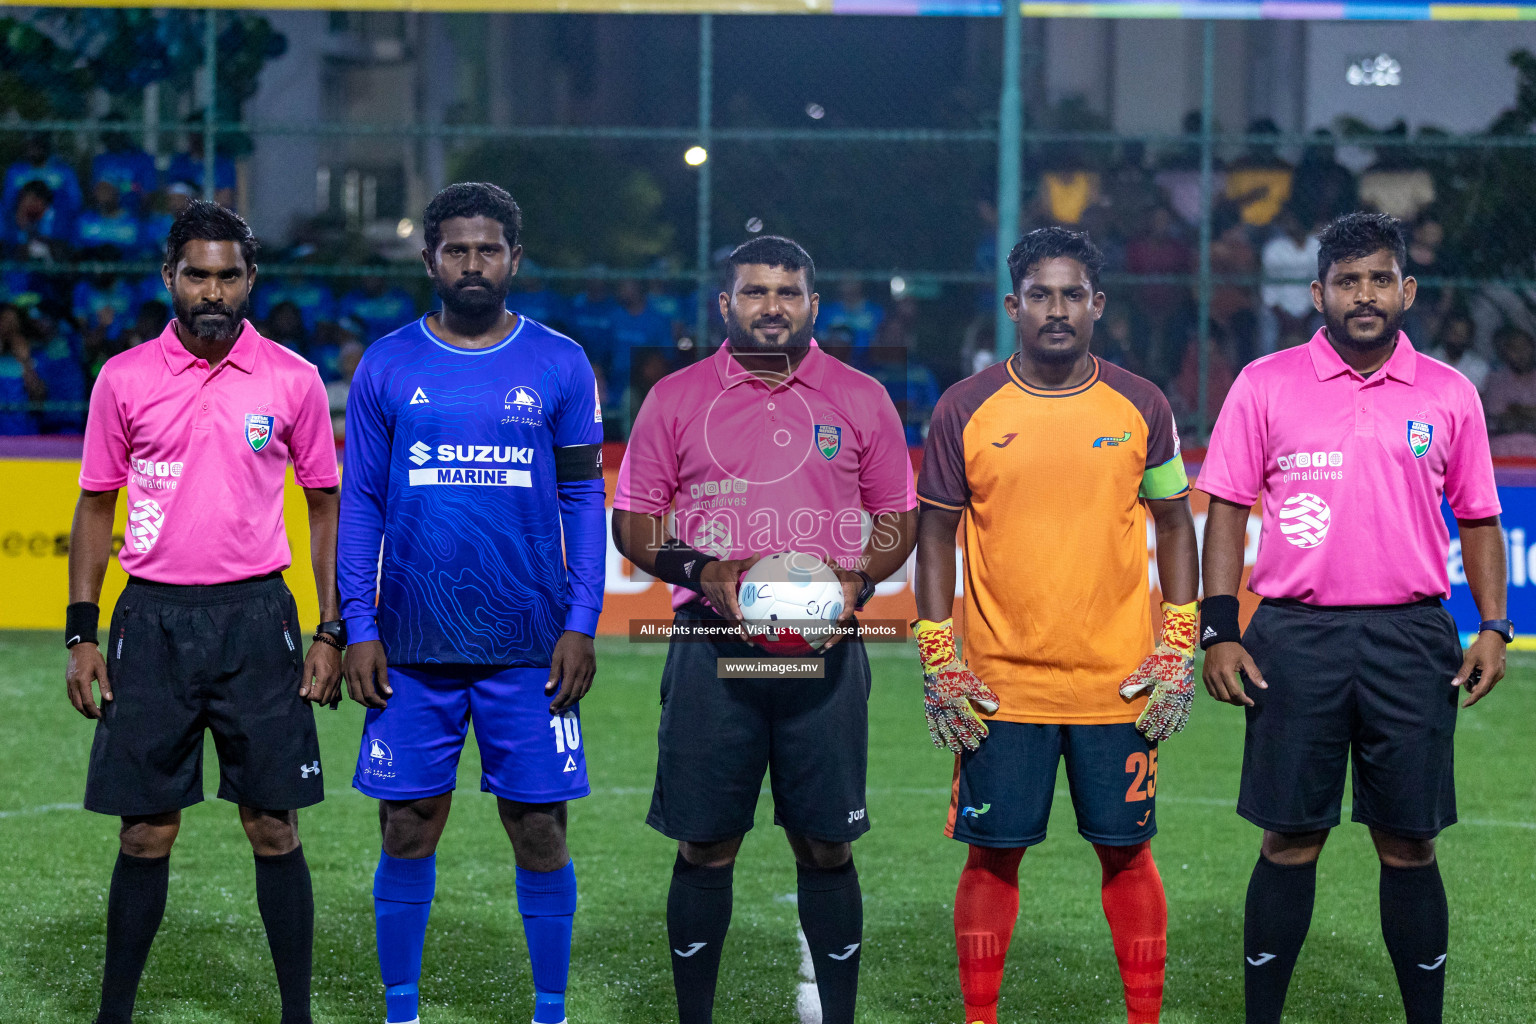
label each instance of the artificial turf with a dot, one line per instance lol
(210, 962)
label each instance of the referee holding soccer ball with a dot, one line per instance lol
(768, 445)
(1352, 440)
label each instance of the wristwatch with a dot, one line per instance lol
(866, 591)
(333, 633)
(1503, 627)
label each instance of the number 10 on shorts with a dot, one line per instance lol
(567, 729)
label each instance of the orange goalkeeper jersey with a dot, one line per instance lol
(1057, 596)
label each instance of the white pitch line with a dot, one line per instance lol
(44, 809)
(807, 996)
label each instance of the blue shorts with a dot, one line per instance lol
(411, 749)
(1002, 792)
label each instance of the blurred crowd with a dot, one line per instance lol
(1144, 211)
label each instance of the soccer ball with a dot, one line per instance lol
(789, 602)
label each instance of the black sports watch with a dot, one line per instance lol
(333, 633)
(1503, 627)
(866, 591)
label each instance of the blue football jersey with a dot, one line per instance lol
(472, 492)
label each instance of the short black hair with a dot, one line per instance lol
(1355, 236)
(1052, 243)
(770, 251)
(36, 187)
(472, 199)
(203, 221)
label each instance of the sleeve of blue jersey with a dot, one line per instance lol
(582, 519)
(364, 485)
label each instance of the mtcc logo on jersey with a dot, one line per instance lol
(1304, 520)
(523, 405)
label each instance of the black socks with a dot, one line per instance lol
(135, 905)
(1416, 926)
(832, 917)
(1275, 923)
(287, 906)
(698, 916)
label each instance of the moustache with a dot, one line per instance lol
(471, 282)
(1365, 312)
(212, 309)
(1058, 328)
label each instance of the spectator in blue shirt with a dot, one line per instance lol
(633, 326)
(56, 356)
(284, 324)
(537, 301)
(590, 318)
(378, 308)
(108, 230)
(20, 384)
(33, 231)
(162, 210)
(39, 164)
(188, 167)
(854, 311)
(128, 169)
(314, 300)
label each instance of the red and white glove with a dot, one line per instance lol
(951, 692)
(1169, 674)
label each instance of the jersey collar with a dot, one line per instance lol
(811, 371)
(1326, 363)
(241, 357)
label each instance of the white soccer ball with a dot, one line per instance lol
(789, 602)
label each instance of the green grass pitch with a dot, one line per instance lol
(210, 963)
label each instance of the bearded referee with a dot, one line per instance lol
(201, 426)
(768, 445)
(1351, 441)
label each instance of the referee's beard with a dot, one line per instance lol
(742, 339)
(211, 321)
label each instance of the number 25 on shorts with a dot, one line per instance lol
(1144, 767)
(567, 729)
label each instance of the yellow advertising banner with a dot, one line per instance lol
(34, 553)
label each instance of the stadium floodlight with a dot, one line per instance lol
(695, 156)
(405, 228)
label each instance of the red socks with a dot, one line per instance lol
(986, 907)
(1138, 921)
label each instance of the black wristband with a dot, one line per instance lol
(80, 621)
(1218, 621)
(681, 565)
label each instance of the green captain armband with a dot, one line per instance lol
(1166, 481)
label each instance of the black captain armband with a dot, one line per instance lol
(1218, 621)
(681, 565)
(578, 462)
(80, 621)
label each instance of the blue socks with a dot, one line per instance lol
(547, 902)
(402, 900)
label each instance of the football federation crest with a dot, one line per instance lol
(829, 440)
(1420, 436)
(258, 430)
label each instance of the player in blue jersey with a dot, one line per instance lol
(473, 450)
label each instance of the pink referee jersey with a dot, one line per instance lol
(753, 467)
(204, 453)
(1352, 471)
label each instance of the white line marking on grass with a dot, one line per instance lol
(44, 809)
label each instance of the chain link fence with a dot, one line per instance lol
(642, 148)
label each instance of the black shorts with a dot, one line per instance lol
(718, 736)
(1371, 686)
(226, 657)
(1002, 791)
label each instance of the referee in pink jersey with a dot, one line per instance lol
(768, 445)
(1351, 441)
(201, 425)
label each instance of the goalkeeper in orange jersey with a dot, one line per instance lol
(1053, 460)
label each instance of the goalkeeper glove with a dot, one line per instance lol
(1169, 674)
(950, 689)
